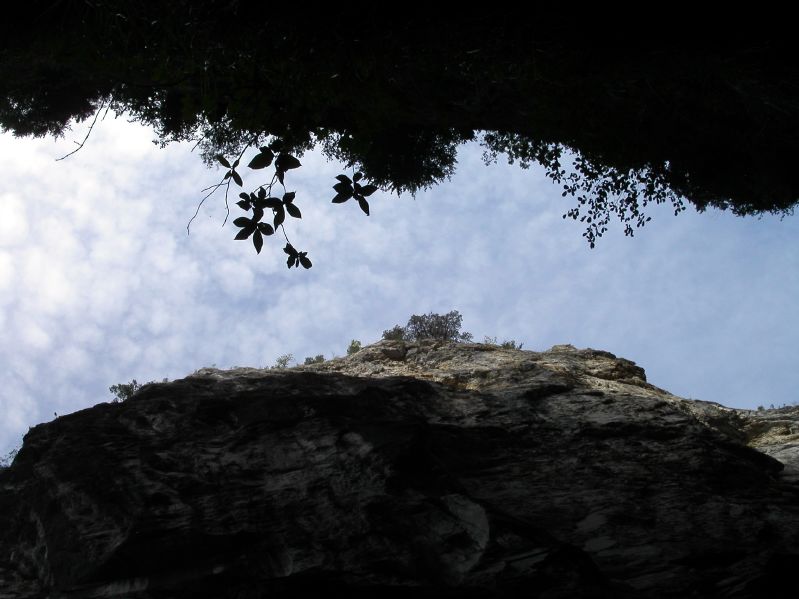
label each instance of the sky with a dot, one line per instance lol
(100, 282)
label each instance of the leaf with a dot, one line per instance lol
(364, 205)
(227, 175)
(344, 178)
(261, 193)
(257, 214)
(280, 176)
(343, 188)
(270, 203)
(276, 145)
(368, 190)
(244, 196)
(293, 211)
(222, 160)
(242, 221)
(237, 178)
(341, 198)
(289, 249)
(262, 160)
(245, 233)
(290, 261)
(286, 162)
(357, 176)
(243, 204)
(306, 263)
(235, 164)
(280, 216)
(266, 229)
(258, 241)
(288, 198)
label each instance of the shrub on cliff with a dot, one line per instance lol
(445, 327)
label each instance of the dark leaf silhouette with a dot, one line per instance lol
(293, 211)
(289, 197)
(306, 263)
(262, 160)
(280, 216)
(245, 232)
(258, 241)
(222, 160)
(364, 205)
(286, 162)
(368, 190)
(237, 178)
(270, 203)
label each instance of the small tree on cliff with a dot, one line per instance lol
(446, 327)
(124, 391)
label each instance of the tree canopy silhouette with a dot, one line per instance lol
(618, 125)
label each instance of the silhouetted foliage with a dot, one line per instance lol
(354, 347)
(446, 327)
(618, 126)
(124, 391)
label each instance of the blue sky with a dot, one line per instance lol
(100, 284)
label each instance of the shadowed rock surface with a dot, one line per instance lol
(406, 470)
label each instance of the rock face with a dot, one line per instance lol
(406, 470)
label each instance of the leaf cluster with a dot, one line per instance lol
(347, 188)
(261, 202)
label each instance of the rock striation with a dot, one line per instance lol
(424, 469)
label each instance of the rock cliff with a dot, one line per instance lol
(406, 470)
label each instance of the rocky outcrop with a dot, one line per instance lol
(406, 470)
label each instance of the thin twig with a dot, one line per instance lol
(81, 144)
(208, 195)
(227, 207)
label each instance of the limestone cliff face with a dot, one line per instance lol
(407, 470)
